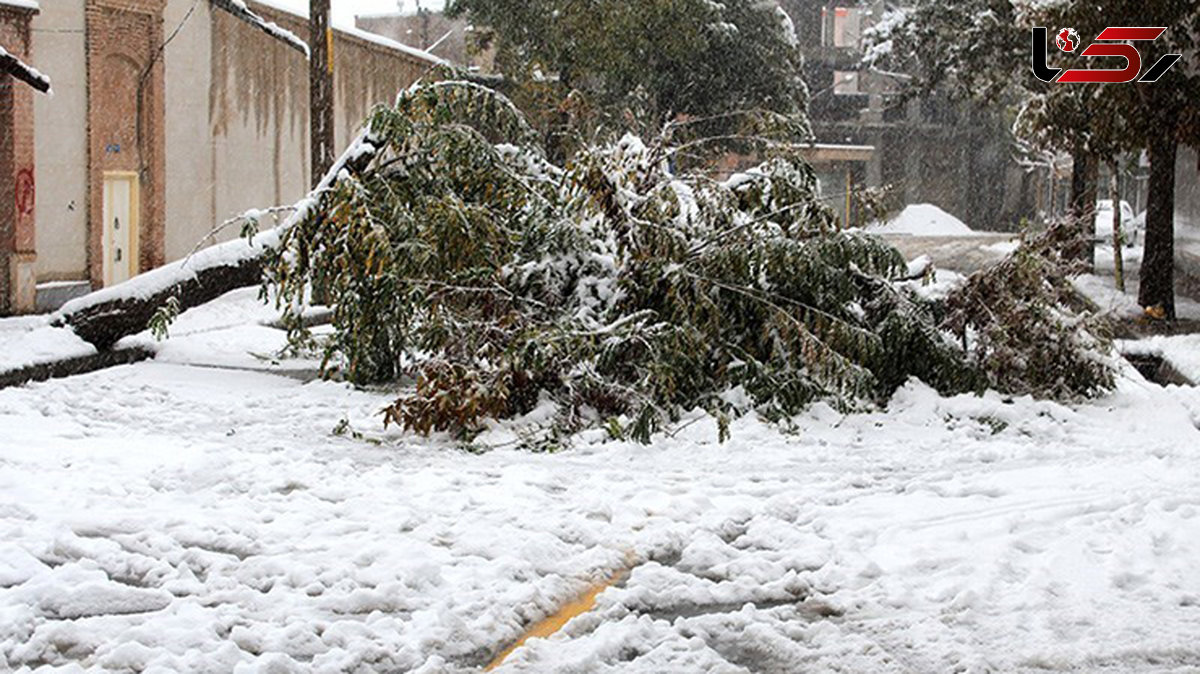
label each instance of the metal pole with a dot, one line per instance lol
(847, 197)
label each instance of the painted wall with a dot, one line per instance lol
(60, 142)
(189, 156)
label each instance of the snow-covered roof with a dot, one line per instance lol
(22, 4)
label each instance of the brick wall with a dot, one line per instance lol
(125, 119)
(18, 190)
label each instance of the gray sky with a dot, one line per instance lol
(344, 10)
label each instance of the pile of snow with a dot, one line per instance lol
(923, 220)
(31, 340)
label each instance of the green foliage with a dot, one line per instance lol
(162, 318)
(1027, 327)
(588, 66)
(612, 287)
(613, 290)
(970, 49)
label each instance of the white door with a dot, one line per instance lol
(120, 227)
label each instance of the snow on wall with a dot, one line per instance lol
(298, 10)
(238, 8)
(392, 44)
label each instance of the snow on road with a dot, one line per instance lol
(168, 517)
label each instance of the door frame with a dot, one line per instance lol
(134, 225)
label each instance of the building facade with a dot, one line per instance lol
(168, 117)
(17, 186)
(931, 150)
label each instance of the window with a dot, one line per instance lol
(845, 82)
(845, 28)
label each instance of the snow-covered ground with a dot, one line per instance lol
(30, 340)
(1101, 287)
(190, 514)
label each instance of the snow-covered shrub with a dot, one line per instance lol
(622, 292)
(1027, 327)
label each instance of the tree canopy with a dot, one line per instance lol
(638, 65)
(980, 49)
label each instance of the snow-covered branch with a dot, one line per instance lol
(239, 9)
(23, 71)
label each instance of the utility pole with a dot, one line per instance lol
(320, 88)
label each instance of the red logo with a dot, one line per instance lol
(1067, 40)
(1112, 41)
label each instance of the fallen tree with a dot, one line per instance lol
(616, 290)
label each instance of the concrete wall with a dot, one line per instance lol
(60, 142)
(189, 157)
(237, 114)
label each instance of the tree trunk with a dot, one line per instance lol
(105, 316)
(1084, 173)
(1156, 289)
(103, 323)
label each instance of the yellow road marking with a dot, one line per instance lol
(555, 621)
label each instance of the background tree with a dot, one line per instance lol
(980, 49)
(1154, 116)
(583, 67)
